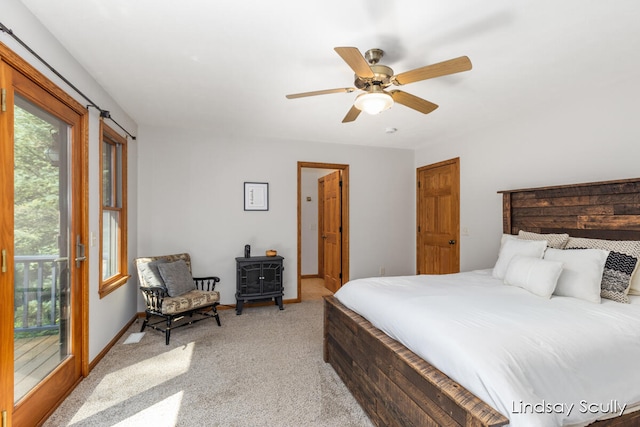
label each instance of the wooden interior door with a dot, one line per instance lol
(332, 231)
(438, 218)
(321, 228)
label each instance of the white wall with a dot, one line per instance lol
(592, 138)
(309, 219)
(189, 195)
(108, 315)
(191, 200)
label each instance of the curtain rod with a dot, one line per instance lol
(103, 113)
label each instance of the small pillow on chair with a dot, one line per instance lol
(177, 277)
(150, 274)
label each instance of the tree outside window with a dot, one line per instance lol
(113, 207)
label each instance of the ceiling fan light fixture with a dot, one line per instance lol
(373, 102)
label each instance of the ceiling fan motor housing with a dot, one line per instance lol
(381, 77)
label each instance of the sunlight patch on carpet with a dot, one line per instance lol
(163, 413)
(136, 379)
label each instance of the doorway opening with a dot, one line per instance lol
(323, 228)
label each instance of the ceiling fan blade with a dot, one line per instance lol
(355, 60)
(351, 115)
(444, 68)
(412, 101)
(321, 92)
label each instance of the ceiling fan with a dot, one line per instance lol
(373, 78)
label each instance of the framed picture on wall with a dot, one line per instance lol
(256, 196)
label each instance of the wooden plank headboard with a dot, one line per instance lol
(600, 210)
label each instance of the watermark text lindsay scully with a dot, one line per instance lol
(544, 407)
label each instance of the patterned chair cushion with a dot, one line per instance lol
(189, 301)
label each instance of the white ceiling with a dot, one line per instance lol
(226, 65)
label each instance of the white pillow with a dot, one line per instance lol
(506, 237)
(511, 247)
(581, 273)
(627, 247)
(536, 275)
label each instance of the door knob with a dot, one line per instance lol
(452, 242)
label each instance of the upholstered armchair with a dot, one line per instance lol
(171, 294)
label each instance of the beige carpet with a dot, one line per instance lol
(262, 368)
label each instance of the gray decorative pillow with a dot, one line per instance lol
(177, 277)
(150, 274)
(556, 241)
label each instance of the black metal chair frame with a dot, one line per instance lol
(154, 297)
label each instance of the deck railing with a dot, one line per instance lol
(36, 293)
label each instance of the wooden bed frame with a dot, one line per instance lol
(396, 387)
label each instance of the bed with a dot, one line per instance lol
(395, 386)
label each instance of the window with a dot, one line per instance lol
(113, 211)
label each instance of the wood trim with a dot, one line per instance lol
(600, 210)
(105, 287)
(6, 244)
(15, 61)
(345, 224)
(114, 341)
(36, 87)
(345, 218)
(576, 187)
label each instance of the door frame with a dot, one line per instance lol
(79, 222)
(345, 218)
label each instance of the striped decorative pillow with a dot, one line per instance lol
(619, 278)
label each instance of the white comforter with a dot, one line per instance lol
(540, 362)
